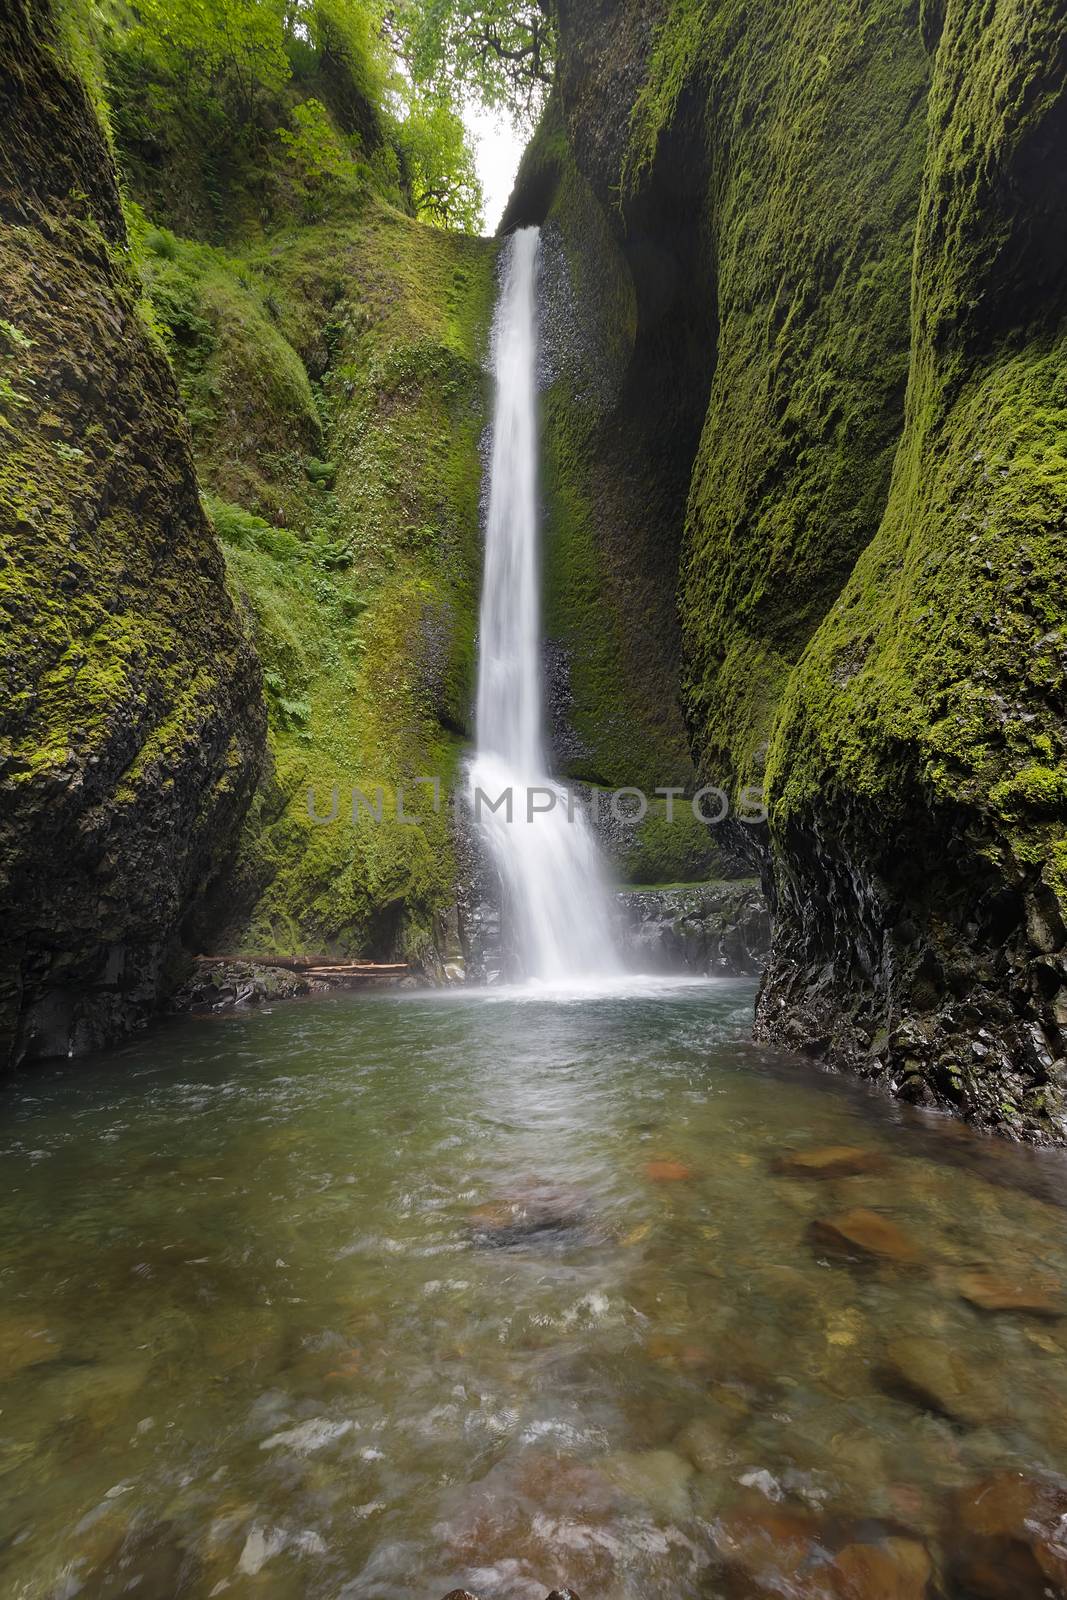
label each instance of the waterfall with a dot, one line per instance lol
(555, 888)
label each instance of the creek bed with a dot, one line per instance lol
(377, 1296)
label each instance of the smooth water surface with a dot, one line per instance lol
(377, 1296)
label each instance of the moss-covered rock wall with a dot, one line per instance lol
(618, 434)
(920, 760)
(131, 718)
(842, 230)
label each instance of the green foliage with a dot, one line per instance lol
(328, 167)
(13, 344)
(235, 48)
(500, 51)
(232, 113)
(362, 606)
(440, 162)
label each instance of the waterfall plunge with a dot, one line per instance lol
(550, 869)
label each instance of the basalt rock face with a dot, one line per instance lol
(131, 725)
(844, 246)
(918, 762)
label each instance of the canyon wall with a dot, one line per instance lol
(839, 233)
(131, 723)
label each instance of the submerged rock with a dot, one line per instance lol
(829, 1161)
(1006, 1538)
(24, 1342)
(864, 1234)
(657, 1478)
(534, 1214)
(992, 1291)
(896, 1569)
(929, 1373)
(667, 1171)
(767, 1549)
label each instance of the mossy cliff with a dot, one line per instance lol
(131, 719)
(241, 534)
(843, 243)
(617, 438)
(335, 375)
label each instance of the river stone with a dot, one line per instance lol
(659, 1478)
(865, 1234)
(705, 1442)
(769, 1547)
(667, 1171)
(532, 1213)
(24, 1342)
(828, 1161)
(896, 1569)
(938, 1378)
(1005, 1538)
(992, 1291)
(97, 1394)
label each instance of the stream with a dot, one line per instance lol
(378, 1296)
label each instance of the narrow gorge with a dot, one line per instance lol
(533, 799)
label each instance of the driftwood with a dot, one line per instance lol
(314, 966)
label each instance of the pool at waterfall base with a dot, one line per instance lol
(380, 1296)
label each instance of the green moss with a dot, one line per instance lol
(363, 610)
(673, 850)
(608, 600)
(817, 143)
(937, 669)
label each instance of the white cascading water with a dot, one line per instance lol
(555, 889)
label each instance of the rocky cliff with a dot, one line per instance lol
(131, 718)
(837, 240)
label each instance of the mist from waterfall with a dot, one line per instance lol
(556, 898)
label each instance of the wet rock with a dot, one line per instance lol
(1005, 1538)
(992, 1291)
(828, 1161)
(930, 1374)
(896, 1569)
(24, 1342)
(767, 1549)
(223, 985)
(706, 1442)
(96, 1393)
(866, 1235)
(667, 1171)
(535, 1213)
(712, 928)
(658, 1478)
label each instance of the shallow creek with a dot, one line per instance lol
(377, 1297)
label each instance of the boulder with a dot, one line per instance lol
(828, 1161)
(1005, 1538)
(866, 1235)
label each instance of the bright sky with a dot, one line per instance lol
(498, 150)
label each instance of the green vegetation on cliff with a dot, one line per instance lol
(131, 725)
(862, 204)
(333, 373)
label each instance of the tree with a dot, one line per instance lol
(235, 47)
(500, 51)
(440, 165)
